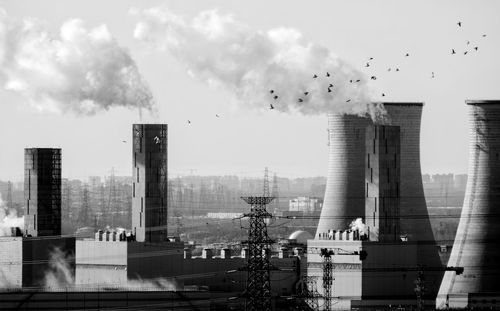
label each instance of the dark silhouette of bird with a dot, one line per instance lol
(465, 53)
(275, 97)
(367, 65)
(453, 51)
(329, 90)
(468, 42)
(347, 100)
(315, 76)
(331, 85)
(358, 80)
(383, 94)
(433, 74)
(271, 91)
(373, 78)
(305, 93)
(124, 141)
(407, 54)
(350, 81)
(459, 24)
(371, 58)
(271, 106)
(157, 140)
(300, 100)
(217, 116)
(475, 48)
(388, 69)
(327, 74)
(484, 35)
(189, 122)
(397, 69)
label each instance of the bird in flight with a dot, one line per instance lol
(305, 93)
(157, 140)
(217, 116)
(271, 91)
(383, 94)
(433, 74)
(367, 65)
(459, 24)
(329, 90)
(358, 80)
(468, 42)
(373, 78)
(124, 141)
(397, 69)
(484, 35)
(371, 58)
(453, 51)
(315, 76)
(189, 122)
(475, 48)
(271, 106)
(331, 85)
(275, 97)
(300, 100)
(347, 100)
(327, 74)
(389, 69)
(350, 81)
(465, 53)
(407, 54)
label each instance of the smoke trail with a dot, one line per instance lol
(59, 275)
(9, 219)
(221, 51)
(79, 70)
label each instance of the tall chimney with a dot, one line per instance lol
(476, 242)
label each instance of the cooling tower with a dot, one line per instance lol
(344, 195)
(345, 189)
(476, 246)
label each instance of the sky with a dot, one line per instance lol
(246, 138)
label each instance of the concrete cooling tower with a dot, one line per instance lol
(476, 246)
(345, 190)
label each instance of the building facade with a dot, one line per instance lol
(149, 188)
(42, 191)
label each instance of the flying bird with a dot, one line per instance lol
(331, 85)
(475, 48)
(371, 58)
(367, 65)
(275, 97)
(315, 76)
(468, 42)
(189, 122)
(358, 80)
(157, 140)
(327, 74)
(407, 54)
(329, 90)
(484, 35)
(350, 81)
(383, 94)
(389, 69)
(347, 100)
(271, 106)
(459, 24)
(305, 93)
(397, 69)
(373, 78)
(453, 51)
(124, 141)
(217, 116)
(433, 74)
(465, 53)
(271, 91)
(300, 100)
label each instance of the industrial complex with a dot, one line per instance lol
(373, 247)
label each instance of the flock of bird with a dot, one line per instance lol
(273, 93)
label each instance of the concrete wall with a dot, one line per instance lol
(11, 262)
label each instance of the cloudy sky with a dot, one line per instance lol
(77, 74)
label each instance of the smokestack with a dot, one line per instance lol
(476, 242)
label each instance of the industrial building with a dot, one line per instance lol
(476, 242)
(42, 191)
(149, 201)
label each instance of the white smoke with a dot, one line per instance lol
(8, 219)
(79, 70)
(222, 51)
(358, 224)
(59, 274)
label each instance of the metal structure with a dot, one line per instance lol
(476, 241)
(42, 191)
(258, 290)
(275, 192)
(266, 183)
(327, 277)
(149, 193)
(308, 293)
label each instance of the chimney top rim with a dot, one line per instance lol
(482, 102)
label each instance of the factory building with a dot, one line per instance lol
(476, 242)
(42, 191)
(149, 193)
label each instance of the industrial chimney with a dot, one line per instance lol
(476, 246)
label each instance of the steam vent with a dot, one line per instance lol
(476, 247)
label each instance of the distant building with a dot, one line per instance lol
(460, 181)
(42, 191)
(306, 205)
(224, 215)
(149, 194)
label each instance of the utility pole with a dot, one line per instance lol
(266, 183)
(275, 193)
(10, 205)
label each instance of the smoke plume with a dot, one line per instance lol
(358, 224)
(59, 274)
(8, 219)
(79, 70)
(222, 51)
